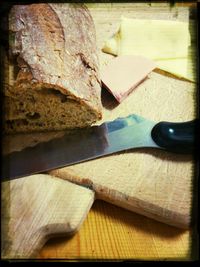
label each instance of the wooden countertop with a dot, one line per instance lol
(112, 233)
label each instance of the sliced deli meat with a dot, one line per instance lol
(123, 73)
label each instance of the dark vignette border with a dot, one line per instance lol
(194, 13)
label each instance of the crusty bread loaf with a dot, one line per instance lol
(53, 81)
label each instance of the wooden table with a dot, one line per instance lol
(112, 233)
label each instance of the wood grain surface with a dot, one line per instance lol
(113, 233)
(37, 207)
(151, 182)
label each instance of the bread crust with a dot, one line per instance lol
(54, 46)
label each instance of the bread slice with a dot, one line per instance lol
(53, 80)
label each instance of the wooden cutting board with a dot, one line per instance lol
(36, 207)
(147, 181)
(152, 183)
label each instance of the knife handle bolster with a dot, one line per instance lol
(176, 137)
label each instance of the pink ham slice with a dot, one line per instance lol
(124, 73)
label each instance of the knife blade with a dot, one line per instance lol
(110, 137)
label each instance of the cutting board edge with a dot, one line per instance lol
(134, 204)
(182, 221)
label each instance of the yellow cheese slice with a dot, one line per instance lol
(164, 41)
(178, 67)
(111, 45)
(156, 39)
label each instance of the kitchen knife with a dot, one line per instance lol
(85, 144)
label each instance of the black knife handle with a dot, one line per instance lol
(176, 137)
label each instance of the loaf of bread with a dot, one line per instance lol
(53, 78)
